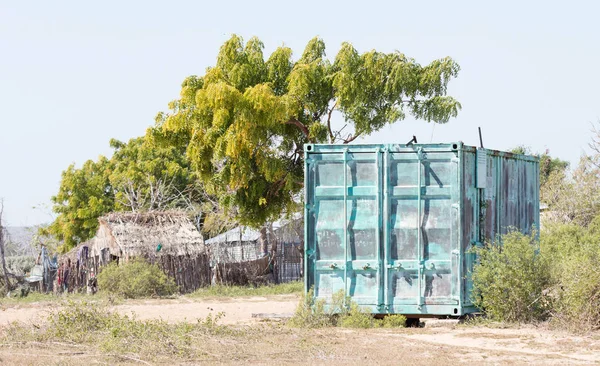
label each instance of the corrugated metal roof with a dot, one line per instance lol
(233, 235)
(249, 234)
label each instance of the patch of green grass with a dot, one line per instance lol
(295, 287)
(32, 297)
(342, 312)
(93, 324)
(59, 299)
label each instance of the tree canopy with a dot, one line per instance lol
(139, 176)
(573, 195)
(243, 124)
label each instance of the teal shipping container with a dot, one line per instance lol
(393, 225)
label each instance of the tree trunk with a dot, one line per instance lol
(264, 241)
(274, 254)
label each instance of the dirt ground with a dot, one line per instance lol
(438, 342)
(236, 310)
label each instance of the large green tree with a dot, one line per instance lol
(138, 176)
(245, 121)
(83, 196)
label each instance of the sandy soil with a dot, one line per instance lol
(236, 310)
(439, 342)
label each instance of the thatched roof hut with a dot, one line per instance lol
(134, 234)
(167, 238)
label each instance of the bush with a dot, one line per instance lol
(509, 280)
(311, 313)
(342, 312)
(136, 279)
(20, 265)
(394, 321)
(355, 317)
(574, 254)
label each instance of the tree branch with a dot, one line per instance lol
(301, 126)
(331, 137)
(350, 138)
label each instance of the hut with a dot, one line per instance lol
(243, 254)
(168, 239)
(239, 257)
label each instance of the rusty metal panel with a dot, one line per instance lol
(392, 226)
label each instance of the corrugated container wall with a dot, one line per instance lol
(393, 226)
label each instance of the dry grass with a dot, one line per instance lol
(220, 291)
(81, 333)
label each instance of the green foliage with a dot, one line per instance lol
(84, 195)
(509, 279)
(394, 321)
(237, 291)
(243, 123)
(574, 253)
(92, 324)
(136, 279)
(341, 312)
(355, 317)
(573, 197)
(140, 176)
(311, 313)
(20, 265)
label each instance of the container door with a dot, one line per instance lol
(344, 212)
(421, 256)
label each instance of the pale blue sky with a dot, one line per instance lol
(74, 74)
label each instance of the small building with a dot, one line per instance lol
(240, 255)
(168, 239)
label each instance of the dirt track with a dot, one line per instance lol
(236, 310)
(439, 342)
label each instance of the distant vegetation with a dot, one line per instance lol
(237, 291)
(559, 277)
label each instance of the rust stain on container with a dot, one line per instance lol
(392, 226)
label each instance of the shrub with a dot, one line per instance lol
(574, 254)
(394, 321)
(20, 265)
(342, 312)
(311, 313)
(355, 317)
(510, 278)
(136, 279)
